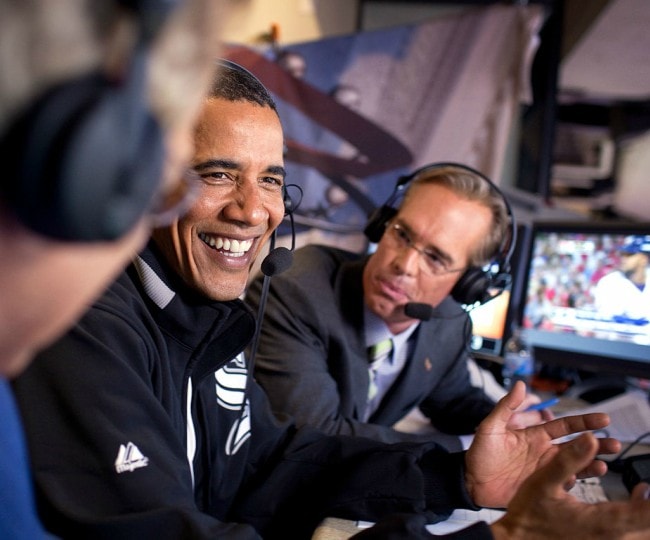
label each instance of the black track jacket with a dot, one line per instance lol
(139, 425)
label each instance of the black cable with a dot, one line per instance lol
(616, 465)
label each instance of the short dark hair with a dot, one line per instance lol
(235, 83)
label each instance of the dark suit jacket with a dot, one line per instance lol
(312, 362)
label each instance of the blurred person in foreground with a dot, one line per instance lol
(144, 421)
(70, 70)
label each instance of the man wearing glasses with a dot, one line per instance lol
(325, 315)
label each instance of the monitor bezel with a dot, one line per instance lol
(579, 352)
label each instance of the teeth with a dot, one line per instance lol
(235, 248)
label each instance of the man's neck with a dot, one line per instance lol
(401, 326)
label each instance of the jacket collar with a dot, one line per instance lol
(196, 322)
(349, 289)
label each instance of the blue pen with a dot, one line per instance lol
(543, 405)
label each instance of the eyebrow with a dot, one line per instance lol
(433, 250)
(277, 169)
(216, 164)
(234, 165)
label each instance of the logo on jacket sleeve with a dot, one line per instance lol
(130, 458)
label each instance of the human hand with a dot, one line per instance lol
(523, 418)
(501, 458)
(542, 508)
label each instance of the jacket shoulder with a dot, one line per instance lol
(321, 258)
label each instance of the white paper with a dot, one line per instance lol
(629, 414)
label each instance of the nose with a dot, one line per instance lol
(407, 261)
(246, 204)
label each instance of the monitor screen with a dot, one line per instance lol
(587, 296)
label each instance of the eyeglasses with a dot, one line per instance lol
(398, 237)
(175, 202)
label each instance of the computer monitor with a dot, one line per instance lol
(491, 322)
(580, 310)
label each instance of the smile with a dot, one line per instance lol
(234, 248)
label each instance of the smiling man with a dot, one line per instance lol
(152, 374)
(143, 421)
(238, 157)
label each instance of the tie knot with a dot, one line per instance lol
(380, 350)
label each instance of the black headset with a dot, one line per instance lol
(477, 285)
(84, 162)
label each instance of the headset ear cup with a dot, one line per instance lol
(84, 162)
(33, 151)
(114, 161)
(472, 287)
(478, 286)
(288, 203)
(376, 224)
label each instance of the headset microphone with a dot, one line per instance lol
(416, 310)
(277, 261)
(425, 312)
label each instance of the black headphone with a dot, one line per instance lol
(84, 162)
(477, 285)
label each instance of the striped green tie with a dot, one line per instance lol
(377, 353)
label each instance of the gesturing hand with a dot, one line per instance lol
(542, 509)
(501, 458)
(523, 418)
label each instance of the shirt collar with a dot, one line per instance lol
(376, 330)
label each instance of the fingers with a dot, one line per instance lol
(595, 468)
(530, 399)
(506, 407)
(513, 399)
(575, 424)
(573, 457)
(641, 492)
(607, 445)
